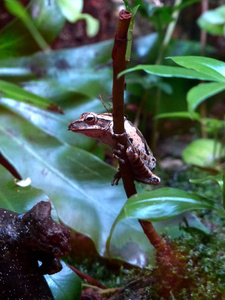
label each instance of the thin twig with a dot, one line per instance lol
(87, 278)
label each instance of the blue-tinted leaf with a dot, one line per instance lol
(12, 91)
(65, 285)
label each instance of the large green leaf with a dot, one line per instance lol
(162, 204)
(67, 79)
(201, 92)
(56, 124)
(10, 90)
(208, 66)
(64, 72)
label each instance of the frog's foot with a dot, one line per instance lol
(152, 179)
(119, 153)
(116, 178)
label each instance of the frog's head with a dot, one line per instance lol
(91, 124)
(97, 126)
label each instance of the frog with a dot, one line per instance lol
(100, 127)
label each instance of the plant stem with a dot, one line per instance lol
(223, 178)
(165, 43)
(119, 65)
(168, 34)
(203, 40)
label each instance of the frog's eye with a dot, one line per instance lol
(83, 115)
(90, 119)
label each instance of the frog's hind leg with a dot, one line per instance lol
(139, 163)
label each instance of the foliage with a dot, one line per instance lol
(213, 21)
(162, 204)
(41, 93)
(207, 69)
(39, 24)
(47, 22)
(202, 68)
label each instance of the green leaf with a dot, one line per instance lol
(178, 115)
(213, 125)
(64, 73)
(56, 124)
(73, 12)
(213, 21)
(162, 204)
(217, 178)
(16, 40)
(201, 92)
(92, 24)
(202, 153)
(71, 9)
(16, 198)
(65, 285)
(12, 91)
(16, 9)
(169, 71)
(209, 66)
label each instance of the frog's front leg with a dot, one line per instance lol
(120, 154)
(142, 166)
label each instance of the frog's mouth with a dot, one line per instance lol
(82, 127)
(75, 126)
